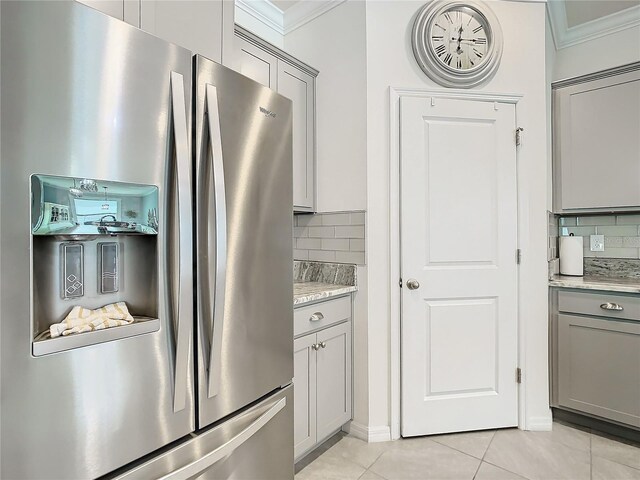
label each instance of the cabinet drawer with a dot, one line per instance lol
(320, 315)
(600, 304)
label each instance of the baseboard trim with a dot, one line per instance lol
(540, 424)
(369, 434)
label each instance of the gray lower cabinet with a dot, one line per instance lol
(274, 68)
(596, 355)
(322, 375)
(596, 146)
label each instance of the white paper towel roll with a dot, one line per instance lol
(571, 256)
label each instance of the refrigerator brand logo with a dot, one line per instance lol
(267, 113)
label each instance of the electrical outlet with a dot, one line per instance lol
(597, 243)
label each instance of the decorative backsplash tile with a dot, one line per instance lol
(621, 234)
(612, 267)
(330, 237)
(334, 273)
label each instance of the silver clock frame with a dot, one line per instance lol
(427, 58)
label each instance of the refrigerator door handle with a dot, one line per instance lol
(183, 193)
(198, 467)
(217, 170)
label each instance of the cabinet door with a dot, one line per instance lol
(299, 87)
(599, 367)
(596, 144)
(127, 10)
(334, 379)
(255, 63)
(192, 24)
(304, 381)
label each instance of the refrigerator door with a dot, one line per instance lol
(243, 158)
(89, 97)
(254, 444)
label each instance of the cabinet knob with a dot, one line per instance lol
(316, 317)
(315, 346)
(612, 306)
(323, 344)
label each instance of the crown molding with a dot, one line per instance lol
(304, 11)
(294, 17)
(264, 11)
(563, 36)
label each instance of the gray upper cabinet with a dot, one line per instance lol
(596, 144)
(276, 69)
(126, 10)
(256, 63)
(202, 26)
(298, 86)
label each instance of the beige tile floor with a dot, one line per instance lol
(565, 453)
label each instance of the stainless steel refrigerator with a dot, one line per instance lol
(133, 172)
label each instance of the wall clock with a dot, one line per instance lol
(457, 43)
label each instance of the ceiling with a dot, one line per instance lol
(284, 5)
(583, 11)
(577, 21)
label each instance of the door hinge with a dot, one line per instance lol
(518, 375)
(400, 282)
(518, 256)
(519, 136)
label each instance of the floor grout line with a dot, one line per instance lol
(590, 455)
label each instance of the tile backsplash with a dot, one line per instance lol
(621, 233)
(330, 237)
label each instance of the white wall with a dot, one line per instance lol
(334, 43)
(390, 63)
(609, 51)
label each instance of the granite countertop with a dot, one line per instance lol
(313, 281)
(305, 292)
(597, 282)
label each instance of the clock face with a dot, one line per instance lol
(459, 37)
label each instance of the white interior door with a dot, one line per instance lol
(458, 243)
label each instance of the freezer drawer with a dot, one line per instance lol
(255, 444)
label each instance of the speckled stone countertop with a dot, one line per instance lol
(315, 281)
(305, 292)
(592, 282)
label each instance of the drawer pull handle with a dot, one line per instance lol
(316, 317)
(612, 306)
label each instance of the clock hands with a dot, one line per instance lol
(458, 49)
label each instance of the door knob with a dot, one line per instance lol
(413, 284)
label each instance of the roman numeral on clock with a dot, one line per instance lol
(437, 38)
(478, 54)
(448, 17)
(477, 29)
(440, 49)
(481, 41)
(448, 59)
(458, 63)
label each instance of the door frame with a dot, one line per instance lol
(394, 244)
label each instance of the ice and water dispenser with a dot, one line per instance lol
(95, 248)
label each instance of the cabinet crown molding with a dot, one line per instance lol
(286, 21)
